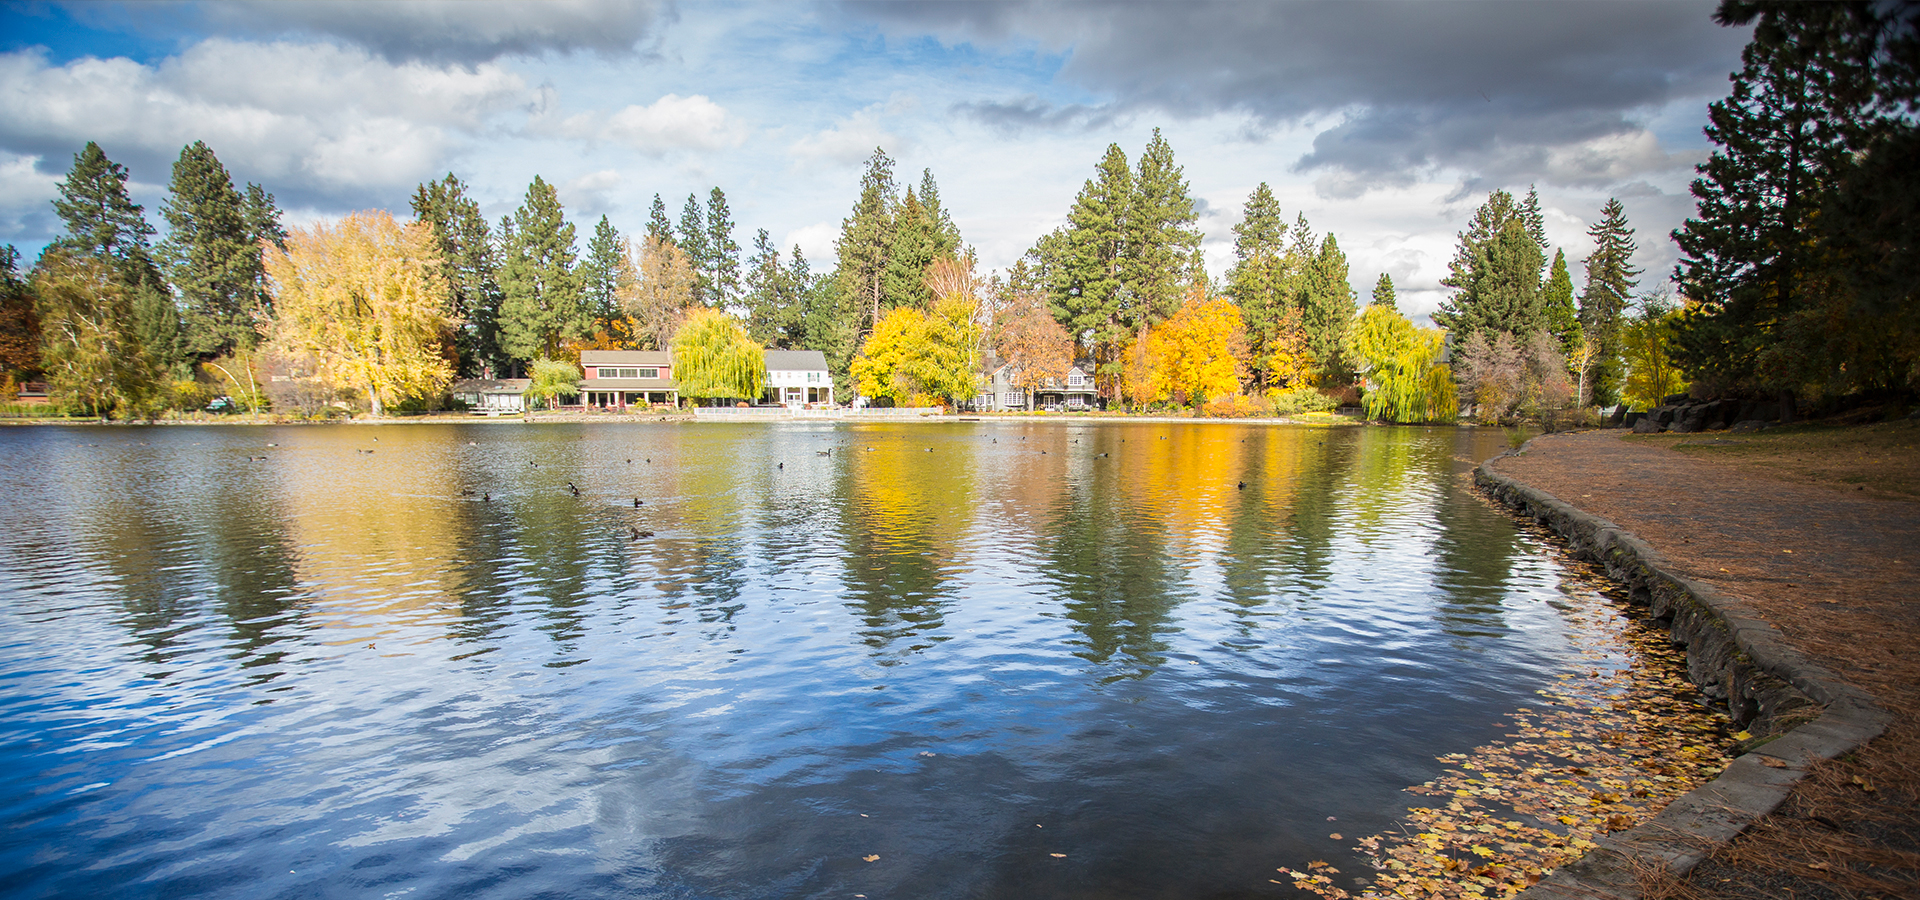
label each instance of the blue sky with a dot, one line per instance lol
(1385, 123)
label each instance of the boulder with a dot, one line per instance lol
(1689, 419)
(1647, 425)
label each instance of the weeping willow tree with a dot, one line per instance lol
(367, 301)
(713, 356)
(1406, 379)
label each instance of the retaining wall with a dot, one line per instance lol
(1738, 659)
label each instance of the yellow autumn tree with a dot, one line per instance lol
(920, 358)
(365, 299)
(1198, 353)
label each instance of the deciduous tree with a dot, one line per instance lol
(367, 300)
(660, 297)
(19, 323)
(1197, 354)
(1405, 376)
(90, 349)
(713, 357)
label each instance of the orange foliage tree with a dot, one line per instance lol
(1030, 341)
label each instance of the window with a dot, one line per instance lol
(1012, 398)
(1075, 379)
(645, 373)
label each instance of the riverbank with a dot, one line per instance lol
(688, 415)
(1828, 564)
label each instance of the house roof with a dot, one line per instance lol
(490, 386)
(796, 361)
(659, 358)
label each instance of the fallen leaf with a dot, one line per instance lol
(1336, 835)
(1772, 763)
(1058, 855)
(872, 857)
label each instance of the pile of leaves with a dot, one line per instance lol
(1605, 749)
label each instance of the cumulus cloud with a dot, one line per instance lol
(308, 117)
(674, 123)
(1545, 89)
(849, 141)
(460, 31)
(590, 195)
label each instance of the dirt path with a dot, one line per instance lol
(1834, 570)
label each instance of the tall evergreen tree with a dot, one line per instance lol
(1161, 236)
(1258, 280)
(692, 240)
(915, 243)
(1327, 307)
(1611, 279)
(659, 227)
(471, 267)
(865, 243)
(540, 292)
(263, 230)
(765, 315)
(210, 255)
(1495, 273)
(1754, 279)
(105, 224)
(1083, 263)
(600, 274)
(1383, 293)
(946, 235)
(1557, 314)
(722, 250)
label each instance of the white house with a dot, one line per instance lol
(1075, 392)
(798, 378)
(492, 396)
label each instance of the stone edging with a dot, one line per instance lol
(1736, 657)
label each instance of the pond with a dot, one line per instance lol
(743, 660)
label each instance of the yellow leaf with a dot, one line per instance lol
(1058, 855)
(871, 858)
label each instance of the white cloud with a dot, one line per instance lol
(672, 123)
(851, 140)
(815, 240)
(312, 116)
(589, 195)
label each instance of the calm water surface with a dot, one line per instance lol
(986, 659)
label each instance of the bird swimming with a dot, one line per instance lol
(636, 503)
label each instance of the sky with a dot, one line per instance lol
(1384, 123)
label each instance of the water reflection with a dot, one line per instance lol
(436, 658)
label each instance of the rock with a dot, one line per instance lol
(1664, 416)
(1689, 419)
(1647, 425)
(1674, 400)
(1748, 426)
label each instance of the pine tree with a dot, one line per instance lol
(600, 275)
(692, 240)
(210, 257)
(471, 269)
(1495, 272)
(1160, 236)
(865, 243)
(946, 235)
(263, 225)
(1327, 306)
(765, 314)
(1083, 262)
(913, 250)
(1257, 282)
(1754, 278)
(540, 292)
(658, 226)
(105, 224)
(1604, 300)
(1383, 293)
(723, 252)
(1556, 305)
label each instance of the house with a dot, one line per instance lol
(798, 378)
(492, 396)
(618, 379)
(1075, 392)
